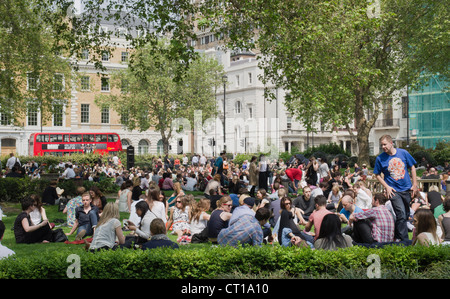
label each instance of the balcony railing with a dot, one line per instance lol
(390, 122)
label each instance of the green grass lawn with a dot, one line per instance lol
(11, 210)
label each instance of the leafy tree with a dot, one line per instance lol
(340, 60)
(32, 75)
(152, 96)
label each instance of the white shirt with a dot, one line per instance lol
(160, 210)
(68, 173)
(190, 184)
(11, 161)
(5, 252)
(363, 200)
(198, 226)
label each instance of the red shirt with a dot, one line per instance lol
(316, 218)
(294, 174)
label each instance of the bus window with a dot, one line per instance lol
(75, 138)
(101, 138)
(42, 138)
(66, 138)
(88, 138)
(56, 138)
(113, 138)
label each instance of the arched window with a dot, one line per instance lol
(125, 143)
(143, 147)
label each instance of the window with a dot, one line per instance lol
(238, 107)
(105, 84)
(88, 138)
(289, 122)
(58, 115)
(42, 138)
(32, 118)
(121, 32)
(56, 137)
(124, 118)
(5, 119)
(85, 54)
(32, 81)
(250, 112)
(105, 56)
(84, 113)
(125, 142)
(124, 86)
(58, 82)
(105, 115)
(237, 81)
(124, 57)
(113, 138)
(75, 138)
(101, 138)
(143, 147)
(85, 83)
(250, 78)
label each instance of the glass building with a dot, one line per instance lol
(429, 112)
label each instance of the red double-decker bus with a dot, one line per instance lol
(60, 144)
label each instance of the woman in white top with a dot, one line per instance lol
(362, 200)
(155, 205)
(199, 218)
(142, 229)
(124, 199)
(38, 214)
(334, 196)
(425, 228)
(179, 216)
(108, 229)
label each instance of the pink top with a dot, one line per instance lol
(316, 219)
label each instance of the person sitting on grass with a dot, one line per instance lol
(159, 236)
(108, 229)
(246, 230)
(86, 218)
(4, 251)
(25, 231)
(330, 235)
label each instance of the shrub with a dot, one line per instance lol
(15, 189)
(212, 262)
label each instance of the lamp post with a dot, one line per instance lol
(224, 80)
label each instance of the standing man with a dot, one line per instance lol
(393, 163)
(218, 167)
(12, 162)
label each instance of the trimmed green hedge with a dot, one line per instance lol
(15, 189)
(212, 262)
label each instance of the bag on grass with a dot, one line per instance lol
(58, 235)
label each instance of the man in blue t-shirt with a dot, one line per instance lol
(393, 163)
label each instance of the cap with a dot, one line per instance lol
(249, 201)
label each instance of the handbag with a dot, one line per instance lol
(58, 235)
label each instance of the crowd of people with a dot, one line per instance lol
(306, 203)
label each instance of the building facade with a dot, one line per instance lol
(252, 124)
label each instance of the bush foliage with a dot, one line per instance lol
(212, 262)
(15, 189)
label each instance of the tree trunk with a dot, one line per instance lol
(364, 150)
(363, 129)
(165, 138)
